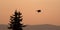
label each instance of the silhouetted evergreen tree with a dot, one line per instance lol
(15, 21)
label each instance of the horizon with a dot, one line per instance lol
(34, 25)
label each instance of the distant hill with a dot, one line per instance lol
(3, 27)
(35, 27)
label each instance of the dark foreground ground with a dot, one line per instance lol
(35, 27)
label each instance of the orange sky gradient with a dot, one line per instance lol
(50, 11)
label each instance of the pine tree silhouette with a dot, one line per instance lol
(15, 21)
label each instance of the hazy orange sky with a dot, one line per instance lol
(50, 11)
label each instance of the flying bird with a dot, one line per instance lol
(38, 11)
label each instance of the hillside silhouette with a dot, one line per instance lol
(34, 27)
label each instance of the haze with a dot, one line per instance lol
(50, 11)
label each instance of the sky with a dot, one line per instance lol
(50, 11)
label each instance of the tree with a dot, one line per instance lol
(15, 21)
